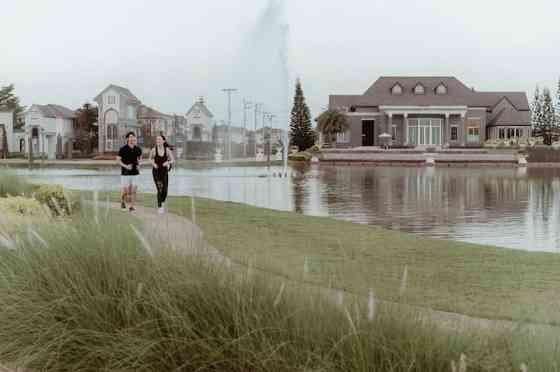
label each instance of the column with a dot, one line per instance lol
(446, 131)
(462, 130)
(389, 123)
(405, 129)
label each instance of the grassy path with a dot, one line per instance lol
(478, 281)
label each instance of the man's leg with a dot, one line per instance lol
(124, 193)
(132, 192)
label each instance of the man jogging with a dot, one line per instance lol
(129, 158)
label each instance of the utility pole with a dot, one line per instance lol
(269, 134)
(246, 106)
(229, 91)
(258, 107)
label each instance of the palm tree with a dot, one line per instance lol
(332, 122)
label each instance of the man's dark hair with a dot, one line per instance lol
(130, 134)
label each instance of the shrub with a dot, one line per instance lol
(58, 201)
(11, 184)
(300, 156)
(22, 206)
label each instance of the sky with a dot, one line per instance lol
(169, 52)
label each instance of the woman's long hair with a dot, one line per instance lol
(165, 144)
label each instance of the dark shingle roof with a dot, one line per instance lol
(56, 111)
(148, 112)
(379, 94)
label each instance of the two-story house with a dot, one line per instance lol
(46, 126)
(431, 111)
(154, 123)
(199, 122)
(118, 115)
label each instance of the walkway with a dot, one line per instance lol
(182, 234)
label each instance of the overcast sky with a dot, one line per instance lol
(168, 52)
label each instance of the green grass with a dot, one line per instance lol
(479, 281)
(88, 296)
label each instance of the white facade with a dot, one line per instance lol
(118, 114)
(199, 122)
(7, 124)
(44, 124)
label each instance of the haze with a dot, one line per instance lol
(170, 52)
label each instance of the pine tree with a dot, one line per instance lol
(302, 134)
(536, 110)
(558, 104)
(548, 116)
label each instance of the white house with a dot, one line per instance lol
(44, 124)
(199, 122)
(118, 114)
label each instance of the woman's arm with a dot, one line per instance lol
(152, 155)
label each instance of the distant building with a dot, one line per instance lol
(431, 111)
(153, 123)
(45, 126)
(199, 122)
(276, 136)
(221, 131)
(118, 114)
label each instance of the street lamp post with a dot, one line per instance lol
(246, 106)
(269, 134)
(258, 107)
(229, 91)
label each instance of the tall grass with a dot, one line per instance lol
(11, 184)
(92, 296)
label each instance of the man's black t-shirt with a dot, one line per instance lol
(130, 155)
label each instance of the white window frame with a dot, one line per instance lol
(400, 90)
(394, 132)
(343, 137)
(441, 93)
(419, 92)
(456, 132)
(112, 100)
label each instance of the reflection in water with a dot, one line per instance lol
(506, 207)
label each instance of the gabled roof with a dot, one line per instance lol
(148, 112)
(510, 116)
(121, 90)
(458, 94)
(55, 111)
(202, 107)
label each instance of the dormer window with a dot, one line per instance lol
(441, 89)
(396, 89)
(419, 89)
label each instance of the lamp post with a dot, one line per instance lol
(258, 107)
(229, 91)
(246, 106)
(269, 134)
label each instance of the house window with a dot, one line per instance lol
(419, 89)
(441, 89)
(510, 133)
(197, 134)
(473, 134)
(501, 133)
(111, 100)
(454, 133)
(397, 89)
(131, 112)
(343, 137)
(518, 132)
(394, 133)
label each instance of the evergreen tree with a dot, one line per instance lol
(558, 104)
(4, 145)
(536, 110)
(86, 131)
(548, 116)
(9, 101)
(302, 134)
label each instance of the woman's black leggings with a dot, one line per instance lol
(161, 180)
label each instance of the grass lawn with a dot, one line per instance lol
(470, 279)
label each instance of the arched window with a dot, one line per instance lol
(396, 89)
(441, 89)
(22, 145)
(419, 89)
(197, 134)
(111, 135)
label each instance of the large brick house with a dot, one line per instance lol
(431, 111)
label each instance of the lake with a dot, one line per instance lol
(508, 207)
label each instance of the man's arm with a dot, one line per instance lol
(119, 161)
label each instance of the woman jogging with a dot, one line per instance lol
(161, 159)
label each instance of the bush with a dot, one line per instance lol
(11, 184)
(58, 201)
(22, 206)
(300, 156)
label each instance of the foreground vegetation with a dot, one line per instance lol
(90, 295)
(480, 281)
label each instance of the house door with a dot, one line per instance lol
(368, 132)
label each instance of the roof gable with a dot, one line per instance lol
(120, 90)
(54, 111)
(202, 107)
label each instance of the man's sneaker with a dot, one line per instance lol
(132, 209)
(161, 210)
(123, 206)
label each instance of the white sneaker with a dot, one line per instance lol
(161, 210)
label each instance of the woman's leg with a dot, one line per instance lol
(159, 186)
(165, 184)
